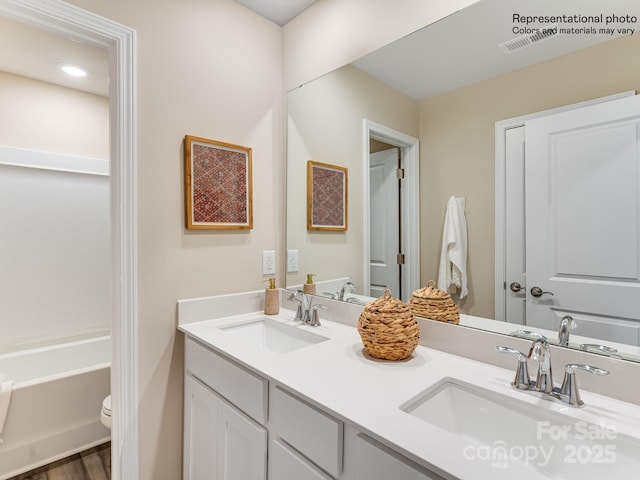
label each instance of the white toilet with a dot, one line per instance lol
(105, 414)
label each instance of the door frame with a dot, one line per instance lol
(410, 147)
(62, 18)
(501, 128)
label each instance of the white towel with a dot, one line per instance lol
(6, 387)
(453, 259)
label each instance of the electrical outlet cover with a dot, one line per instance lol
(269, 262)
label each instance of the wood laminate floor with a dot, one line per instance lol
(92, 464)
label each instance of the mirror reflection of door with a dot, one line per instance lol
(384, 211)
(582, 185)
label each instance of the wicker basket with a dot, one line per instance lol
(388, 328)
(431, 302)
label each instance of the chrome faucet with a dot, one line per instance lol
(540, 352)
(567, 323)
(568, 393)
(305, 312)
(343, 291)
(304, 303)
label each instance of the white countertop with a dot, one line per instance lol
(338, 377)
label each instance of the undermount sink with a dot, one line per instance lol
(512, 435)
(272, 335)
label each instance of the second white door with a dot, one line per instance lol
(384, 208)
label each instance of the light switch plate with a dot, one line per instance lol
(292, 261)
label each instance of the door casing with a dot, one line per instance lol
(410, 200)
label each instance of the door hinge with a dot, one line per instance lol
(400, 259)
(399, 173)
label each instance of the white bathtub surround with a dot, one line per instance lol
(6, 387)
(68, 198)
(335, 376)
(55, 403)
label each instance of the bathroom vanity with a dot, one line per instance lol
(269, 397)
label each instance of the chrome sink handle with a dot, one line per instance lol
(603, 349)
(526, 334)
(569, 388)
(522, 380)
(572, 367)
(315, 315)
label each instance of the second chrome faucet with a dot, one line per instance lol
(539, 351)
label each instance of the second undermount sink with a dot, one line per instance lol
(510, 434)
(272, 335)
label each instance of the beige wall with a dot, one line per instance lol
(325, 125)
(211, 69)
(41, 116)
(457, 145)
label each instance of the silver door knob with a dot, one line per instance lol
(516, 287)
(537, 292)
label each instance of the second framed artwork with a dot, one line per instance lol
(327, 197)
(218, 184)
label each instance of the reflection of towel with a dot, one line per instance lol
(6, 386)
(453, 260)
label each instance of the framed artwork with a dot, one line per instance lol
(326, 197)
(218, 184)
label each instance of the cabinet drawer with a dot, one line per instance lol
(239, 386)
(313, 433)
(287, 464)
(374, 461)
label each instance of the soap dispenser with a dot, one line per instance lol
(271, 298)
(309, 287)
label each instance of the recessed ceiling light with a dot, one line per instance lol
(73, 70)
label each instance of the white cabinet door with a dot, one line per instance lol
(373, 461)
(242, 446)
(220, 443)
(200, 431)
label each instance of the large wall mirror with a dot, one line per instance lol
(451, 106)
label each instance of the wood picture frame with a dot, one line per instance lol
(218, 185)
(327, 197)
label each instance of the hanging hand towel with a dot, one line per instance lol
(6, 386)
(453, 259)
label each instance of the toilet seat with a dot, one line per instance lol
(105, 414)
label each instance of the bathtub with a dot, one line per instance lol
(55, 404)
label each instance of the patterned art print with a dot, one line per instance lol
(328, 197)
(220, 185)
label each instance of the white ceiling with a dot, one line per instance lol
(463, 48)
(34, 53)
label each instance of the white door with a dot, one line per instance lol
(384, 211)
(583, 219)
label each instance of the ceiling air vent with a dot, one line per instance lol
(530, 39)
